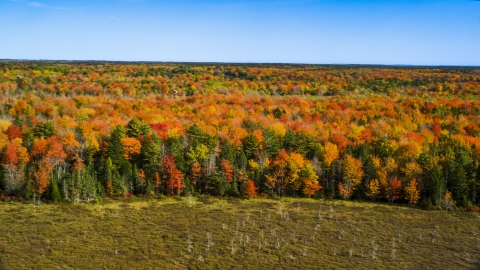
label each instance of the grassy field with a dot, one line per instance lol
(210, 233)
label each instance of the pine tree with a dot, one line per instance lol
(28, 189)
(136, 128)
(112, 179)
(151, 154)
(198, 136)
(136, 183)
(270, 143)
(234, 188)
(195, 135)
(242, 160)
(435, 186)
(149, 189)
(290, 142)
(458, 185)
(116, 152)
(188, 186)
(55, 192)
(250, 146)
(44, 130)
(174, 145)
(227, 151)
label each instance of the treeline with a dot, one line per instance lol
(134, 160)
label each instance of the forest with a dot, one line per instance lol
(86, 131)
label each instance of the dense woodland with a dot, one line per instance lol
(88, 131)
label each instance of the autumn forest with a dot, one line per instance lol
(87, 131)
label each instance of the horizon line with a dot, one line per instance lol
(227, 62)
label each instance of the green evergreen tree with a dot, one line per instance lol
(194, 134)
(234, 187)
(139, 188)
(110, 173)
(151, 154)
(304, 144)
(188, 186)
(28, 140)
(55, 192)
(457, 178)
(242, 160)
(227, 151)
(436, 185)
(116, 152)
(44, 130)
(90, 190)
(101, 192)
(197, 136)
(290, 141)
(277, 113)
(271, 144)
(149, 190)
(242, 189)
(136, 128)
(251, 146)
(458, 184)
(173, 144)
(28, 189)
(115, 148)
(218, 185)
(118, 182)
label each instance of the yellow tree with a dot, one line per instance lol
(295, 164)
(330, 154)
(412, 170)
(412, 194)
(308, 174)
(352, 176)
(391, 165)
(372, 189)
(70, 143)
(132, 147)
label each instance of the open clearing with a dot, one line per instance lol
(211, 233)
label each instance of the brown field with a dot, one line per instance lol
(211, 233)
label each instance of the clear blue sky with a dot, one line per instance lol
(417, 32)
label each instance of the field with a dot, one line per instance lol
(212, 233)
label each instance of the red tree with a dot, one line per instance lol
(196, 173)
(14, 132)
(251, 189)
(173, 176)
(227, 170)
(394, 189)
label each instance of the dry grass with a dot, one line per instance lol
(210, 233)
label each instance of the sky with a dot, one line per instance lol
(401, 32)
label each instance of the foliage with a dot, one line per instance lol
(412, 194)
(251, 189)
(116, 130)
